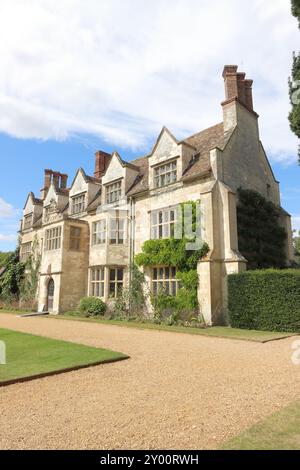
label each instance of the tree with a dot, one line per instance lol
(11, 279)
(296, 241)
(294, 83)
(3, 257)
(296, 9)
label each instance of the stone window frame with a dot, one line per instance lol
(78, 203)
(115, 281)
(53, 238)
(75, 238)
(99, 229)
(162, 224)
(97, 281)
(28, 221)
(25, 251)
(113, 192)
(163, 278)
(165, 174)
(117, 230)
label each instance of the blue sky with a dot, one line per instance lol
(80, 77)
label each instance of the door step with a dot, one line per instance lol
(34, 314)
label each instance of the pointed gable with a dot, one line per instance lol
(165, 147)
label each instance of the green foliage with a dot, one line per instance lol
(131, 301)
(3, 257)
(265, 300)
(261, 238)
(11, 279)
(294, 116)
(170, 252)
(92, 306)
(174, 252)
(296, 243)
(296, 9)
(29, 283)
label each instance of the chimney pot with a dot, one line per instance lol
(248, 93)
(56, 179)
(48, 178)
(101, 163)
(63, 181)
(236, 86)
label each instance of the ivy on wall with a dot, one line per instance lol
(261, 238)
(29, 282)
(174, 252)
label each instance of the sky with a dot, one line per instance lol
(78, 76)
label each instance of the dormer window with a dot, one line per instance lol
(165, 174)
(78, 204)
(28, 219)
(113, 192)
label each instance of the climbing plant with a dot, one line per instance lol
(177, 252)
(261, 238)
(29, 282)
(131, 300)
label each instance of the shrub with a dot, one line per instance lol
(265, 300)
(130, 302)
(261, 238)
(92, 306)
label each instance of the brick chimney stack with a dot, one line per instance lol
(101, 163)
(56, 179)
(48, 179)
(237, 87)
(59, 180)
(63, 181)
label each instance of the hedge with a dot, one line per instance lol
(265, 300)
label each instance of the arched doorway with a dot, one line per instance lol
(50, 295)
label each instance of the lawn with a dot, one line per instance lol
(29, 355)
(216, 331)
(280, 431)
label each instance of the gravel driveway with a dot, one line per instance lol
(177, 391)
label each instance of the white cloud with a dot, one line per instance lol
(8, 238)
(296, 223)
(7, 211)
(120, 69)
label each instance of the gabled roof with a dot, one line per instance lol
(162, 132)
(95, 203)
(35, 200)
(123, 163)
(87, 179)
(38, 222)
(202, 142)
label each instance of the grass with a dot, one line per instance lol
(29, 355)
(280, 431)
(17, 311)
(216, 331)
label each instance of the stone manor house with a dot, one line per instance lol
(89, 232)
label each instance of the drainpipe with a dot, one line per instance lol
(131, 235)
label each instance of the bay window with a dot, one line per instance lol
(97, 282)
